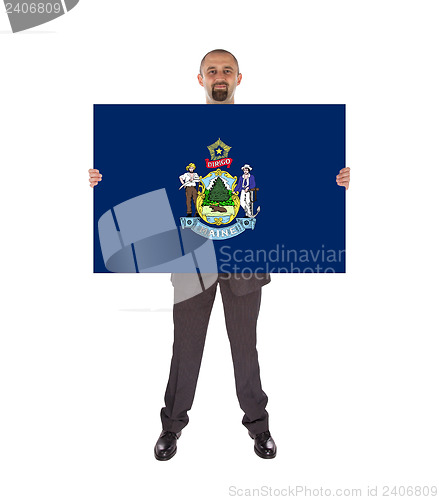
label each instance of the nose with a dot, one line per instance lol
(221, 77)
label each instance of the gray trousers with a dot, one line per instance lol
(191, 319)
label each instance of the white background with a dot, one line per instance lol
(349, 362)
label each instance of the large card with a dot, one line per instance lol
(229, 189)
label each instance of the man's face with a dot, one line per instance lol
(219, 78)
(246, 171)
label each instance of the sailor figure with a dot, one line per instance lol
(245, 184)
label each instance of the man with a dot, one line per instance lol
(189, 180)
(245, 183)
(219, 76)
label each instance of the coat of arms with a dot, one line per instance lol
(217, 202)
(218, 196)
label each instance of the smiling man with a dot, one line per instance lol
(241, 295)
(219, 75)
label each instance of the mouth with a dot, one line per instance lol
(220, 87)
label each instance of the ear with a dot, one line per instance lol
(239, 79)
(200, 80)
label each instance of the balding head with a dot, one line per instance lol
(219, 75)
(218, 51)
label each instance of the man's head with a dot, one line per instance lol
(191, 167)
(219, 75)
(246, 169)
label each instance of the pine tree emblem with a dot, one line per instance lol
(218, 191)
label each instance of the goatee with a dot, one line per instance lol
(220, 94)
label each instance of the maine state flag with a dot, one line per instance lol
(229, 189)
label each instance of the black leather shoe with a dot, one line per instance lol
(166, 446)
(265, 447)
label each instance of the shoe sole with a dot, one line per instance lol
(163, 459)
(259, 454)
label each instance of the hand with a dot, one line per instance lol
(95, 177)
(246, 190)
(344, 177)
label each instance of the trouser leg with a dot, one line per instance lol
(194, 197)
(191, 319)
(188, 200)
(241, 313)
(248, 204)
(191, 196)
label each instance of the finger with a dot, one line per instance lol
(93, 170)
(93, 184)
(345, 184)
(343, 176)
(96, 177)
(346, 169)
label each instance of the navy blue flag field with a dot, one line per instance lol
(228, 189)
